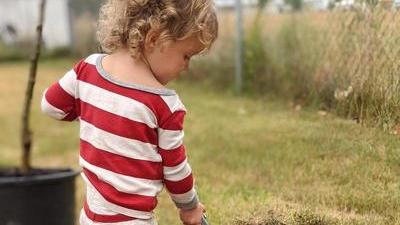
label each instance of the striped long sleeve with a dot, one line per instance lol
(178, 177)
(58, 100)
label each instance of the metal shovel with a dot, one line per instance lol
(204, 220)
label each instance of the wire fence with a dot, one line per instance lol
(361, 56)
(343, 60)
(357, 68)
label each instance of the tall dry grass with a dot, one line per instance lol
(343, 61)
(362, 61)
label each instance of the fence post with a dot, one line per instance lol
(239, 48)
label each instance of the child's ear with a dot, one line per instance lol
(150, 41)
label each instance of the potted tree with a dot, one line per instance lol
(31, 196)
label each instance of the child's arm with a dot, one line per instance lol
(58, 100)
(178, 176)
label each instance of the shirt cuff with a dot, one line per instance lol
(190, 205)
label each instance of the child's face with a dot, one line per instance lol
(168, 61)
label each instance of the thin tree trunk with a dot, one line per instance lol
(26, 134)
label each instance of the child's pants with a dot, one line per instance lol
(84, 220)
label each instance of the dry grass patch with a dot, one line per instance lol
(279, 212)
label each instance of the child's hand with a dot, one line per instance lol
(192, 216)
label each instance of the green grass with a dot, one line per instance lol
(256, 161)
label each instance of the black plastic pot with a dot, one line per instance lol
(46, 199)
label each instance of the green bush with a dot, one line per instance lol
(259, 72)
(13, 53)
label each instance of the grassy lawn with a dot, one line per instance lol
(256, 161)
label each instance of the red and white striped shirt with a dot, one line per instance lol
(131, 141)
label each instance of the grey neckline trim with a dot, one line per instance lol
(107, 76)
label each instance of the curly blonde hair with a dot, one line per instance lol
(125, 23)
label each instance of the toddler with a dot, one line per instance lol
(131, 125)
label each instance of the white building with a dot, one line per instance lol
(317, 4)
(18, 20)
(232, 3)
(277, 6)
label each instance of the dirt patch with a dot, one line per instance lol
(272, 217)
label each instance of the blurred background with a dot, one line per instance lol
(309, 135)
(338, 54)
